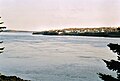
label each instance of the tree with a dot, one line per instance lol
(113, 65)
(1, 29)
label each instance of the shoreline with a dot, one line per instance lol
(11, 78)
(110, 34)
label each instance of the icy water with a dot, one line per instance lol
(55, 58)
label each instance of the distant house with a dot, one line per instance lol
(67, 31)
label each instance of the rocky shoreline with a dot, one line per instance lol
(11, 78)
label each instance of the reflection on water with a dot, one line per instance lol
(55, 58)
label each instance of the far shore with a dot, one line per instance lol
(96, 32)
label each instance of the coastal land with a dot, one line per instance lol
(100, 32)
(10, 78)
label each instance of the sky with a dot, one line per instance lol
(40, 15)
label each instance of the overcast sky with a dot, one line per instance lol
(57, 14)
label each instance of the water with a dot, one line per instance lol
(55, 58)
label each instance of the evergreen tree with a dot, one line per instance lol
(1, 29)
(113, 65)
